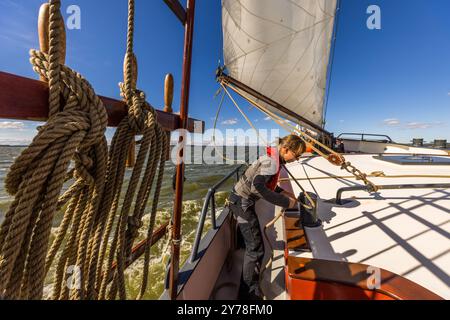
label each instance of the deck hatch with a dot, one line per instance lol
(415, 159)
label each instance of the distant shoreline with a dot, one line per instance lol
(14, 145)
(172, 145)
(426, 145)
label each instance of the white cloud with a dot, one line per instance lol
(267, 119)
(18, 142)
(391, 122)
(417, 125)
(12, 125)
(230, 122)
(424, 125)
(412, 125)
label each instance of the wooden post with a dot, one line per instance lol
(43, 26)
(168, 98)
(179, 179)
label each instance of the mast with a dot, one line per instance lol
(179, 179)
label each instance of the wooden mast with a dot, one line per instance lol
(179, 179)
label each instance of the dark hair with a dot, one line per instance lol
(293, 143)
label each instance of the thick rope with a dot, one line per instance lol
(74, 133)
(153, 149)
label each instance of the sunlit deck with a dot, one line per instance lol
(404, 231)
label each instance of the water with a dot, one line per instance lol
(199, 178)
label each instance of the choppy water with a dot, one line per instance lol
(199, 178)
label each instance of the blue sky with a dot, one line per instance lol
(394, 81)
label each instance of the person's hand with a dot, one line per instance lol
(293, 203)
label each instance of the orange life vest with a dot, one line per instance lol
(273, 153)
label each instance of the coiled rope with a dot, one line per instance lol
(75, 132)
(153, 149)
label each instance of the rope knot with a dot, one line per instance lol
(84, 160)
(135, 100)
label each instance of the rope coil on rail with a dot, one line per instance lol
(75, 132)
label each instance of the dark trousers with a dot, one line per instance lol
(248, 225)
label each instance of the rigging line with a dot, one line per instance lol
(279, 121)
(309, 180)
(311, 201)
(333, 48)
(214, 133)
(285, 125)
(243, 114)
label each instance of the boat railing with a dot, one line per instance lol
(210, 200)
(364, 136)
(390, 187)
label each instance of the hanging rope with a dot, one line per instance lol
(141, 119)
(75, 132)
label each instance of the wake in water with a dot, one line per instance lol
(160, 252)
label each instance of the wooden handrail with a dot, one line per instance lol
(27, 99)
(355, 275)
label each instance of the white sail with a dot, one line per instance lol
(281, 49)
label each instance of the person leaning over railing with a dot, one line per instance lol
(260, 181)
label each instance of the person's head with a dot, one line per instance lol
(291, 147)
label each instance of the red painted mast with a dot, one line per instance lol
(184, 104)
